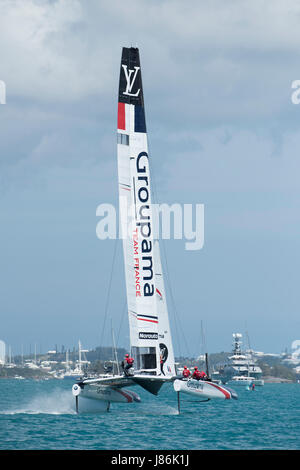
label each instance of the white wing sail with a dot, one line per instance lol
(148, 317)
(164, 333)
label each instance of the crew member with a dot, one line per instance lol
(186, 373)
(127, 363)
(196, 374)
(203, 375)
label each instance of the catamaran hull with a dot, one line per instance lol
(204, 389)
(106, 393)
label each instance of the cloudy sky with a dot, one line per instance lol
(223, 132)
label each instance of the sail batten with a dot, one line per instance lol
(150, 336)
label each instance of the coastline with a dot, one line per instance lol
(278, 380)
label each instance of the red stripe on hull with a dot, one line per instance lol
(227, 394)
(128, 397)
(121, 116)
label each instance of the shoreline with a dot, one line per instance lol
(269, 379)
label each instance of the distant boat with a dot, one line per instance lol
(78, 371)
(241, 369)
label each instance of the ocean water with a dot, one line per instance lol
(40, 415)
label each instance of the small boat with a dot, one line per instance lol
(250, 386)
(242, 380)
(241, 369)
(78, 371)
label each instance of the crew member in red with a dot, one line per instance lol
(203, 375)
(128, 363)
(186, 373)
(196, 374)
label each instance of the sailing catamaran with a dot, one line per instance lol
(150, 334)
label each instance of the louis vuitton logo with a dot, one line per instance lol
(130, 79)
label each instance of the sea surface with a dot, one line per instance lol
(40, 415)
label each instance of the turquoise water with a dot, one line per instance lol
(41, 415)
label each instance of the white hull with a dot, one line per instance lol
(204, 389)
(259, 382)
(236, 381)
(105, 393)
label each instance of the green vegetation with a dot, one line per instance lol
(7, 372)
(277, 370)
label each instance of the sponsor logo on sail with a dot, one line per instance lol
(143, 335)
(144, 223)
(130, 79)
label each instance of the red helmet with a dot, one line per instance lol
(196, 368)
(184, 367)
(126, 355)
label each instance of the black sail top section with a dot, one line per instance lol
(130, 86)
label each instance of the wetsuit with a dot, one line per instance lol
(128, 363)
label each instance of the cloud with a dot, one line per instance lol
(68, 49)
(230, 159)
(217, 85)
(223, 132)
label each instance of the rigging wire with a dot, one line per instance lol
(203, 349)
(124, 310)
(108, 291)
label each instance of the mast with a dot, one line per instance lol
(67, 359)
(79, 355)
(150, 337)
(115, 349)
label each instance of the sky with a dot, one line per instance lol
(223, 132)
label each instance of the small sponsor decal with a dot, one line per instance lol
(145, 335)
(195, 385)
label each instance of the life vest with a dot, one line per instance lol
(196, 374)
(129, 360)
(185, 373)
